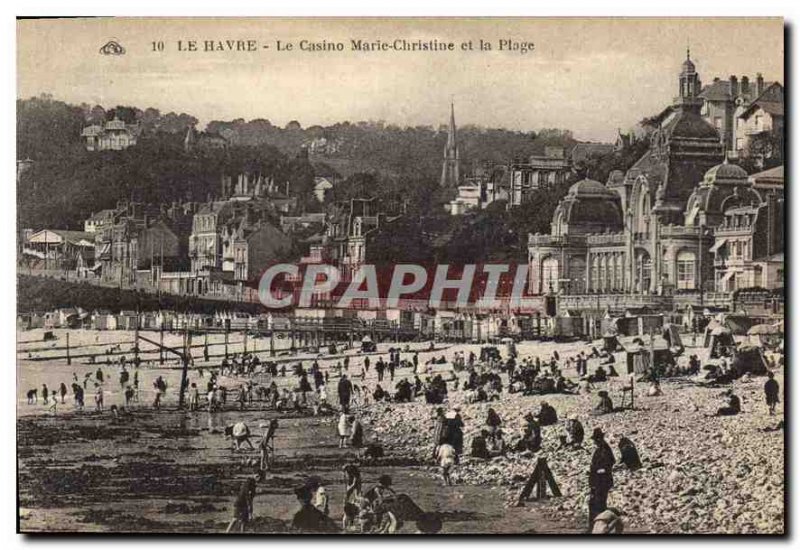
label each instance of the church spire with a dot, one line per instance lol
(450, 175)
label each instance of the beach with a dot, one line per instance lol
(173, 471)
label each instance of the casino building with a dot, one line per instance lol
(649, 232)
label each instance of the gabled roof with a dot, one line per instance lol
(103, 214)
(772, 176)
(770, 100)
(717, 91)
(583, 150)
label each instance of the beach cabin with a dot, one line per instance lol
(127, 320)
(104, 320)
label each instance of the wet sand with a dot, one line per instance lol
(173, 471)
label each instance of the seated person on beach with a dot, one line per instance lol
(547, 415)
(599, 375)
(608, 522)
(605, 405)
(309, 518)
(628, 454)
(479, 448)
(495, 443)
(529, 441)
(379, 394)
(655, 389)
(574, 432)
(381, 492)
(404, 392)
(734, 406)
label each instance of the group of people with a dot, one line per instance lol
(129, 387)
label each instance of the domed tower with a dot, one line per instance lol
(724, 186)
(588, 207)
(689, 85)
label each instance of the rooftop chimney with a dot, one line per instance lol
(759, 84)
(745, 85)
(734, 86)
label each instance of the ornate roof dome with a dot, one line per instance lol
(588, 207)
(688, 66)
(725, 173)
(586, 189)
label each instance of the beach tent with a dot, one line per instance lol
(749, 359)
(367, 345)
(764, 330)
(673, 339)
(718, 340)
(611, 340)
(638, 358)
(738, 324)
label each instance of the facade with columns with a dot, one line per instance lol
(649, 231)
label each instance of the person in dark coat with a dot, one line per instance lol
(734, 405)
(547, 415)
(454, 432)
(601, 479)
(345, 390)
(309, 518)
(573, 433)
(629, 456)
(771, 390)
(479, 448)
(439, 429)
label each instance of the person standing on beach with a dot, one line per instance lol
(98, 396)
(600, 478)
(45, 393)
(345, 390)
(343, 427)
(771, 390)
(63, 391)
(243, 506)
(194, 398)
(446, 456)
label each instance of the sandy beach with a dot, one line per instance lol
(173, 471)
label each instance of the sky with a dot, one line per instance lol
(591, 76)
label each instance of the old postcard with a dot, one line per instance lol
(400, 275)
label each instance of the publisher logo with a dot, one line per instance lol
(112, 47)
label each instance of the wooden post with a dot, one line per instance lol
(136, 341)
(69, 359)
(245, 342)
(185, 369)
(161, 344)
(272, 343)
(227, 329)
(540, 479)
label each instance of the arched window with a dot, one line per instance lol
(549, 275)
(576, 276)
(685, 270)
(595, 273)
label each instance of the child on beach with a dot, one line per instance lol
(98, 397)
(344, 430)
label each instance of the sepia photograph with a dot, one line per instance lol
(430, 275)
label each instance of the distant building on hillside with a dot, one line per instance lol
(199, 141)
(114, 135)
(723, 102)
(538, 172)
